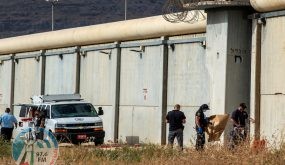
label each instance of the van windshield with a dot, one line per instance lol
(73, 110)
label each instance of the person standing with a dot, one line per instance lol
(7, 121)
(176, 119)
(39, 121)
(201, 122)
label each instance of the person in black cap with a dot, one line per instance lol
(201, 122)
(239, 117)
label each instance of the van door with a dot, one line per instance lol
(24, 116)
(20, 112)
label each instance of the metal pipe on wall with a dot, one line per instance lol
(12, 89)
(116, 101)
(143, 28)
(267, 5)
(163, 103)
(255, 78)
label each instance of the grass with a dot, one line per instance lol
(5, 152)
(155, 154)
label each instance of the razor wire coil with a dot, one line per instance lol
(175, 11)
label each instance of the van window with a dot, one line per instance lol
(47, 111)
(31, 111)
(73, 110)
(23, 111)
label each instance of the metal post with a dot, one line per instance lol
(163, 103)
(117, 91)
(52, 5)
(126, 6)
(12, 89)
(52, 14)
(43, 72)
(78, 63)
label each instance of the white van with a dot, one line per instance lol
(68, 117)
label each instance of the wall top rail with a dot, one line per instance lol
(6, 58)
(102, 47)
(71, 50)
(146, 43)
(261, 17)
(135, 29)
(273, 14)
(31, 55)
(83, 50)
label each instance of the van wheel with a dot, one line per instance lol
(98, 142)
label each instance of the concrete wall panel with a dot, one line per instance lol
(238, 61)
(216, 50)
(144, 122)
(272, 79)
(273, 56)
(188, 77)
(140, 93)
(141, 75)
(5, 85)
(272, 123)
(108, 121)
(60, 74)
(27, 79)
(97, 84)
(96, 77)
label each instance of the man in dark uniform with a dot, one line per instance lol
(39, 121)
(176, 119)
(201, 122)
(239, 117)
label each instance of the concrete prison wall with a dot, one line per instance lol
(138, 69)
(136, 80)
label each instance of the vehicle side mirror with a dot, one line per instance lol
(100, 111)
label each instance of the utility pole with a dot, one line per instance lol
(52, 2)
(126, 8)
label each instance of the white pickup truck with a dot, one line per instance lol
(68, 117)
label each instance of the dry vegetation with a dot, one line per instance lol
(154, 154)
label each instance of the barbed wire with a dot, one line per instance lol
(175, 11)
